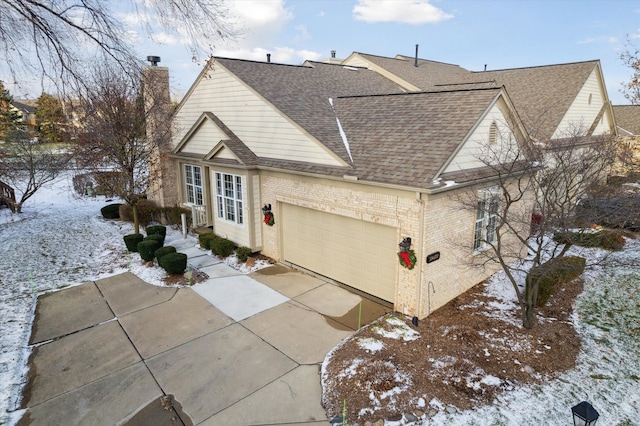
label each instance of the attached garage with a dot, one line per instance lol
(359, 254)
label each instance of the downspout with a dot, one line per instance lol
(421, 239)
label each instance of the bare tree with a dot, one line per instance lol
(533, 196)
(631, 58)
(114, 141)
(54, 39)
(27, 164)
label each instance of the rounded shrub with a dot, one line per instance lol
(243, 253)
(156, 230)
(556, 271)
(222, 247)
(157, 237)
(111, 211)
(205, 240)
(163, 251)
(174, 263)
(147, 249)
(132, 240)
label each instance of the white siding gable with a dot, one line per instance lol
(474, 148)
(584, 110)
(225, 153)
(205, 137)
(262, 128)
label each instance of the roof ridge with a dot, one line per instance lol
(215, 58)
(538, 66)
(421, 92)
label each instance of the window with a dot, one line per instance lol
(493, 133)
(486, 218)
(193, 184)
(229, 198)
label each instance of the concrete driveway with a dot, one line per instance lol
(234, 350)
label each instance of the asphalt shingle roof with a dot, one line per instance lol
(405, 139)
(303, 92)
(628, 119)
(541, 95)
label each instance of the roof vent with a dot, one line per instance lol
(268, 58)
(416, 62)
(333, 54)
(154, 60)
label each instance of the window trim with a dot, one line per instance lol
(486, 218)
(194, 192)
(229, 198)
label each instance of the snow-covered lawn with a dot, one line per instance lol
(59, 240)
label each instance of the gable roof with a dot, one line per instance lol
(302, 93)
(383, 133)
(541, 95)
(407, 138)
(627, 119)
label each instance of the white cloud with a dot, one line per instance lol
(404, 11)
(263, 19)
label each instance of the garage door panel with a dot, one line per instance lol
(358, 253)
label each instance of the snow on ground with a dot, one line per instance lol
(59, 240)
(607, 316)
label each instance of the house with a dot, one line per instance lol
(26, 110)
(628, 125)
(351, 159)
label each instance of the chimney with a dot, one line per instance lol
(416, 62)
(268, 58)
(157, 104)
(333, 54)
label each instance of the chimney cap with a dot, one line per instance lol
(154, 60)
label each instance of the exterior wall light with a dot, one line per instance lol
(405, 244)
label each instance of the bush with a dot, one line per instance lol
(606, 239)
(162, 251)
(156, 230)
(243, 253)
(174, 263)
(145, 212)
(556, 271)
(158, 238)
(172, 215)
(222, 247)
(205, 240)
(111, 211)
(147, 249)
(132, 240)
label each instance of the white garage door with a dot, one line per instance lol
(354, 252)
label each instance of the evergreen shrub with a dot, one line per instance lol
(222, 247)
(162, 251)
(132, 240)
(157, 237)
(111, 211)
(174, 263)
(607, 239)
(205, 240)
(147, 249)
(556, 271)
(243, 253)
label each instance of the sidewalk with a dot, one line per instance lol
(233, 350)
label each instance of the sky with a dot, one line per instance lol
(471, 33)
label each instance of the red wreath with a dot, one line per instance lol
(407, 259)
(268, 219)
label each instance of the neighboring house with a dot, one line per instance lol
(628, 123)
(352, 159)
(26, 109)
